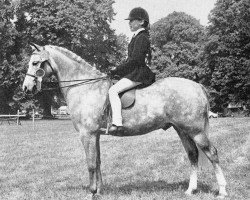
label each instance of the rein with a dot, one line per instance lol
(80, 82)
(40, 73)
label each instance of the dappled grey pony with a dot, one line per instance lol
(176, 102)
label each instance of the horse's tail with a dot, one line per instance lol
(206, 113)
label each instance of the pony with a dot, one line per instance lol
(170, 102)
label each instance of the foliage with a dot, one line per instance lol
(217, 56)
(7, 30)
(121, 50)
(227, 52)
(177, 41)
(11, 65)
(80, 26)
(11, 78)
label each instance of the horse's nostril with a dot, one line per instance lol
(34, 90)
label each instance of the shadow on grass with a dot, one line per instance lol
(145, 186)
(154, 186)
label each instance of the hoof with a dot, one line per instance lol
(221, 196)
(222, 193)
(97, 197)
(189, 192)
(89, 197)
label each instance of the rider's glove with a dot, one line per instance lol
(113, 71)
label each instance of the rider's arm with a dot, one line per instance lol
(136, 57)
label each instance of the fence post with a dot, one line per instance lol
(33, 118)
(17, 120)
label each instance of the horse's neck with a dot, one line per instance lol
(68, 69)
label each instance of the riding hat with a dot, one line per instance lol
(138, 13)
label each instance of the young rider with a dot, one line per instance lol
(134, 71)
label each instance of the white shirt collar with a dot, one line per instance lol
(138, 31)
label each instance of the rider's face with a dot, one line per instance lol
(135, 24)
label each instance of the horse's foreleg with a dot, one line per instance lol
(92, 151)
(192, 152)
(211, 152)
(98, 168)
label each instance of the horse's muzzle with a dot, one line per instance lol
(25, 89)
(30, 92)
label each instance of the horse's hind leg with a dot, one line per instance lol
(211, 152)
(192, 152)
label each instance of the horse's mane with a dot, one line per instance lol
(72, 55)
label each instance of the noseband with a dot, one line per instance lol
(40, 73)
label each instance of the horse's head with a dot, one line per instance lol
(39, 66)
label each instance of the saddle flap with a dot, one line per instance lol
(127, 98)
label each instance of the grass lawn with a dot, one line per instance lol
(48, 162)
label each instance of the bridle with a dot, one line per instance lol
(40, 73)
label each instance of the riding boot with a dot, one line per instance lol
(116, 130)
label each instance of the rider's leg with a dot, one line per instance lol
(121, 86)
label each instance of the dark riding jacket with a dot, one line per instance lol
(135, 67)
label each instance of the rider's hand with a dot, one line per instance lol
(113, 73)
(113, 70)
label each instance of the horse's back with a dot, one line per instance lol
(174, 87)
(169, 100)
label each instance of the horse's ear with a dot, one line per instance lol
(35, 47)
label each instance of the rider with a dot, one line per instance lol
(134, 71)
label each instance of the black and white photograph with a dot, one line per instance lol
(124, 99)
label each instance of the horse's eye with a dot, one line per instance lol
(35, 63)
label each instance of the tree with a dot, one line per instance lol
(10, 70)
(80, 26)
(12, 74)
(120, 53)
(177, 41)
(7, 30)
(227, 52)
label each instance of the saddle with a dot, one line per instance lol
(127, 97)
(127, 100)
